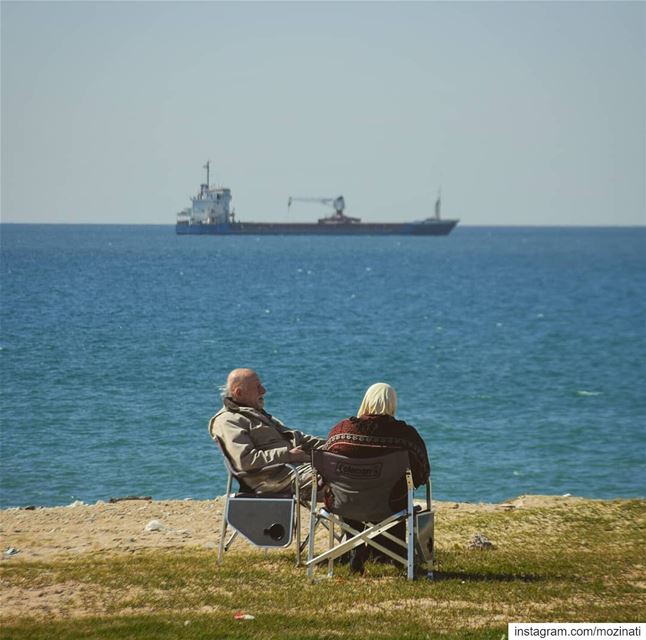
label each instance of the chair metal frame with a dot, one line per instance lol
(245, 494)
(417, 521)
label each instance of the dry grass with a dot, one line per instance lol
(568, 560)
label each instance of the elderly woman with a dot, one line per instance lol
(376, 432)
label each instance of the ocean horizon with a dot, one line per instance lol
(519, 353)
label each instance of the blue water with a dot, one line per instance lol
(519, 354)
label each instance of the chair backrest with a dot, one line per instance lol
(361, 487)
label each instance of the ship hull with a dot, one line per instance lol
(426, 228)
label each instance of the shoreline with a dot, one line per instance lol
(146, 498)
(124, 526)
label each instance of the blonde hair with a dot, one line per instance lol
(379, 399)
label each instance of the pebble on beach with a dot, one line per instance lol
(154, 525)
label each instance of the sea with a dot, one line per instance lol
(519, 354)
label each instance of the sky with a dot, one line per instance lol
(522, 113)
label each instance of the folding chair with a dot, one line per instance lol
(361, 488)
(267, 520)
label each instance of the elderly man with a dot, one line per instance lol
(253, 439)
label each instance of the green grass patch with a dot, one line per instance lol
(576, 563)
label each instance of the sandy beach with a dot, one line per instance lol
(121, 527)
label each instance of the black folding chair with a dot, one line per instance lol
(361, 490)
(266, 520)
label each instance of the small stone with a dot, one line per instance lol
(154, 525)
(480, 541)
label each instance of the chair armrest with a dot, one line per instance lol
(245, 474)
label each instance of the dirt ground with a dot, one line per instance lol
(46, 533)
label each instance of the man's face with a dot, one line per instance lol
(250, 392)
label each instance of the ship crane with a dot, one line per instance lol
(339, 205)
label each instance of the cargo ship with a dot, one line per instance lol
(210, 214)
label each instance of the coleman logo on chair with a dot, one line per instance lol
(358, 470)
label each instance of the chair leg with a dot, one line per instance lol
(229, 542)
(223, 528)
(223, 532)
(410, 534)
(410, 530)
(297, 507)
(330, 562)
(224, 546)
(431, 562)
(313, 520)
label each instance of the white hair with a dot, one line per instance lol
(234, 378)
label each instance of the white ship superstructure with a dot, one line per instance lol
(210, 205)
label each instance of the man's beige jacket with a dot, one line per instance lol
(254, 439)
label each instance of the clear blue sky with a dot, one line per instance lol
(524, 112)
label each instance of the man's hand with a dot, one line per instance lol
(298, 454)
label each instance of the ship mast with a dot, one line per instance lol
(206, 166)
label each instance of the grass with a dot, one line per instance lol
(580, 562)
